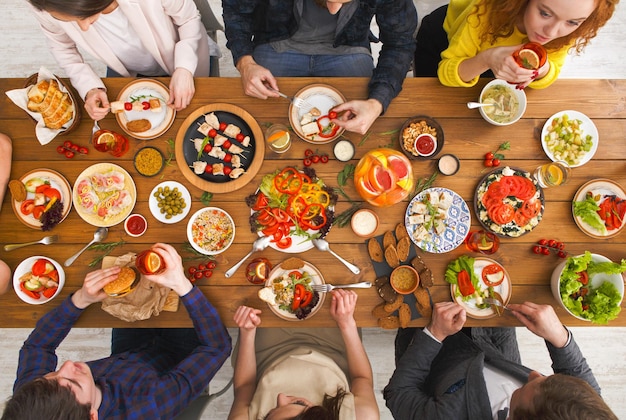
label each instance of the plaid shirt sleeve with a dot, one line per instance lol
(38, 354)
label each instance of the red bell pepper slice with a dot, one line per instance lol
(306, 299)
(261, 202)
(465, 283)
(28, 293)
(326, 131)
(298, 292)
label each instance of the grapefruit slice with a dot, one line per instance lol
(398, 166)
(529, 59)
(365, 189)
(382, 179)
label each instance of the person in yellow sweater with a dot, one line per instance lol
(469, 38)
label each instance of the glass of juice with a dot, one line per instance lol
(110, 141)
(552, 174)
(383, 177)
(482, 241)
(150, 262)
(278, 138)
(531, 56)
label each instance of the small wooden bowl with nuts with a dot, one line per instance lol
(421, 137)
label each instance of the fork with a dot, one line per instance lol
(95, 128)
(46, 241)
(324, 288)
(495, 302)
(297, 102)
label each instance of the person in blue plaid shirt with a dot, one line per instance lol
(155, 380)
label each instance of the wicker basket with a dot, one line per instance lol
(32, 79)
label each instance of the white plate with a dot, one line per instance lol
(154, 204)
(322, 97)
(57, 181)
(604, 187)
(24, 267)
(504, 289)
(316, 278)
(161, 121)
(192, 222)
(92, 217)
(587, 126)
(458, 221)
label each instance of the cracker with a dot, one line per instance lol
(403, 248)
(18, 190)
(389, 322)
(404, 314)
(379, 311)
(422, 302)
(389, 240)
(139, 126)
(390, 307)
(426, 278)
(401, 231)
(292, 263)
(391, 256)
(374, 249)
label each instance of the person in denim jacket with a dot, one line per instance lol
(319, 38)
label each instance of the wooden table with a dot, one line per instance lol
(467, 135)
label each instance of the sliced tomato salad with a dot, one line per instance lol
(291, 202)
(612, 212)
(41, 280)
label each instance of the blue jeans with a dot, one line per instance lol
(293, 64)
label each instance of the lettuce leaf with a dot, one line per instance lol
(588, 211)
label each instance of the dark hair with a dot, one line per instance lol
(329, 410)
(565, 397)
(47, 399)
(79, 8)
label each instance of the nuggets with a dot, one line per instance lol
(139, 126)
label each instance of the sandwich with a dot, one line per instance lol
(125, 283)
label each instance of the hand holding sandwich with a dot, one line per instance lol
(91, 291)
(174, 274)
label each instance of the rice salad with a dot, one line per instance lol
(212, 230)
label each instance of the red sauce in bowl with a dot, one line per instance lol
(135, 225)
(425, 144)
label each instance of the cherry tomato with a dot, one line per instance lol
(488, 162)
(223, 126)
(228, 157)
(537, 249)
(332, 115)
(324, 158)
(212, 132)
(67, 144)
(207, 148)
(69, 154)
(60, 149)
(496, 162)
(315, 158)
(489, 156)
(307, 162)
(192, 270)
(211, 265)
(551, 243)
(208, 169)
(239, 137)
(308, 153)
(227, 170)
(75, 147)
(208, 273)
(562, 254)
(198, 275)
(128, 106)
(542, 241)
(545, 251)
(560, 245)
(145, 105)
(227, 144)
(83, 151)
(202, 267)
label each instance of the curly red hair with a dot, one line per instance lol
(499, 24)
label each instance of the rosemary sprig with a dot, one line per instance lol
(423, 184)
(365, 137)
(196, 255)
(107, 247)
(171, 147)
(342, 219)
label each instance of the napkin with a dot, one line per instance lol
(20, 98)
(146, 300)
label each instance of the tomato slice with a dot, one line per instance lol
(498, 189)
(298, 292)
(465, 283)
(520, 218)
(490, 270)
(531, 208)
(306, 299)
(27, 207)
(38, 211)
(261, 202)
(583, 277)
(42, 188)
(39, 267)
(502, 213)
(52, 192)
(284, 243)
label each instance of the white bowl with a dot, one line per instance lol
(588, 128)
(519, 95)
(24, 267)
(595, 281)
(221, 215)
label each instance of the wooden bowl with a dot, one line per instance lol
(404, 279)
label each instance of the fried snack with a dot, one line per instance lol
(138, 126)
(403, 248)
(422, 302)
(390, 307)
(387, 293)
(379, 311)
(374, 249)
(426, 278)
(391, 256)
(418, 264)
(389, 322)
(54, 105)
(18, 190)
(388, 239)
(292, 263)
(412, 132)
(401, 231)
(404, 314)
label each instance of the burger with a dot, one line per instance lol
(125, 283)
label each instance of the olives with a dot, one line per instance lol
(170, 201)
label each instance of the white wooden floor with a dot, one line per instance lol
(23, 51)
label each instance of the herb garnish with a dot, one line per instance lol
(107, 247)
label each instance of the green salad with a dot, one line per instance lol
(598, 305)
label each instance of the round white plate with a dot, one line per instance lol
(154, 204)
(504, 289)
(57, 181)
(457, 221)
(587, 126)
(211, 229)
(316, 278)
(24, 267)
(604, 187)
(322, 97)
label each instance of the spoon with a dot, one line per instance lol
(98, 236)
(322, 245)
(258, 245)
(472, 105)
